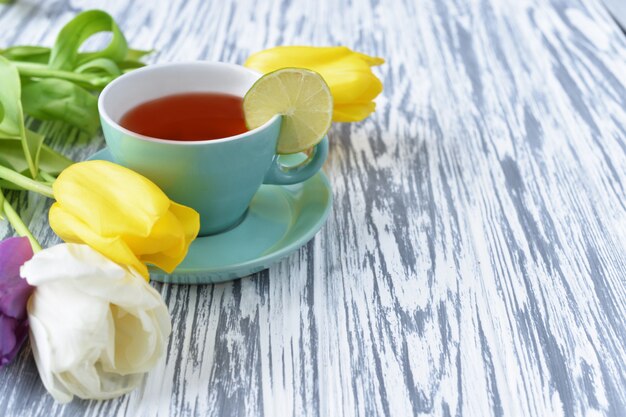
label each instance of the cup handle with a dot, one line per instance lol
(280, 174)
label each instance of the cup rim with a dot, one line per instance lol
(137, 72)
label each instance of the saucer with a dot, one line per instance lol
(280, 220)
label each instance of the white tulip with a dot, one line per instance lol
(95, 327)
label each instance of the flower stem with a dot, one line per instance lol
(47, 177)
(29, 69)
(25, 182)
(17, 223)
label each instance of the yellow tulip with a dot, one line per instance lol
(122, 215)
(348, 74)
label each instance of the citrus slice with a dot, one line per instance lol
(303, 99)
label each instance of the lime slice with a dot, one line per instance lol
(301, 96)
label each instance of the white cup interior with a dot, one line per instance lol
(160, 80)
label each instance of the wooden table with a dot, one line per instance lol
(475, 260)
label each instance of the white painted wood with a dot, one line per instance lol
(617, 9)
(475, 261)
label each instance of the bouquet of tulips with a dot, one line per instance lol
(95, 324)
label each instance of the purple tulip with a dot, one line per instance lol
(14, 293)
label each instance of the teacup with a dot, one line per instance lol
(218, 177)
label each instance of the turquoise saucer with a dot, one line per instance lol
(280, 220)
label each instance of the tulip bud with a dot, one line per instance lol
(96, 327)
(14, 293)
(348, 74)
(122, 215)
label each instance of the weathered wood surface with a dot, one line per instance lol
(475, 262)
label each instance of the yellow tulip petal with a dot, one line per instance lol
(165, 232)
(289, 56)
(349, 86)
(90, 189)
(73, 230)
(164, 248)
(189, 218)
(292, 56)
(353, 112)
(372, 61)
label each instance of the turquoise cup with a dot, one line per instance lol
(219, 177)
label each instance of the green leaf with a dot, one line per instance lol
(132, 60)
(12, 156)
(127, 66)
(101, 66)
(12, 123)
(6, 185)
(54, 99)
(137, 54)
(41, 54)
(65, 53)
(50, 161)
(33, 142)
(36, 54)
(56, 84)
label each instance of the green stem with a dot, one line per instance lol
(29, 69)
(16, 221)
(25, 182)
(47, 177)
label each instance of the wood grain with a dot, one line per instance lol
(475, 261)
